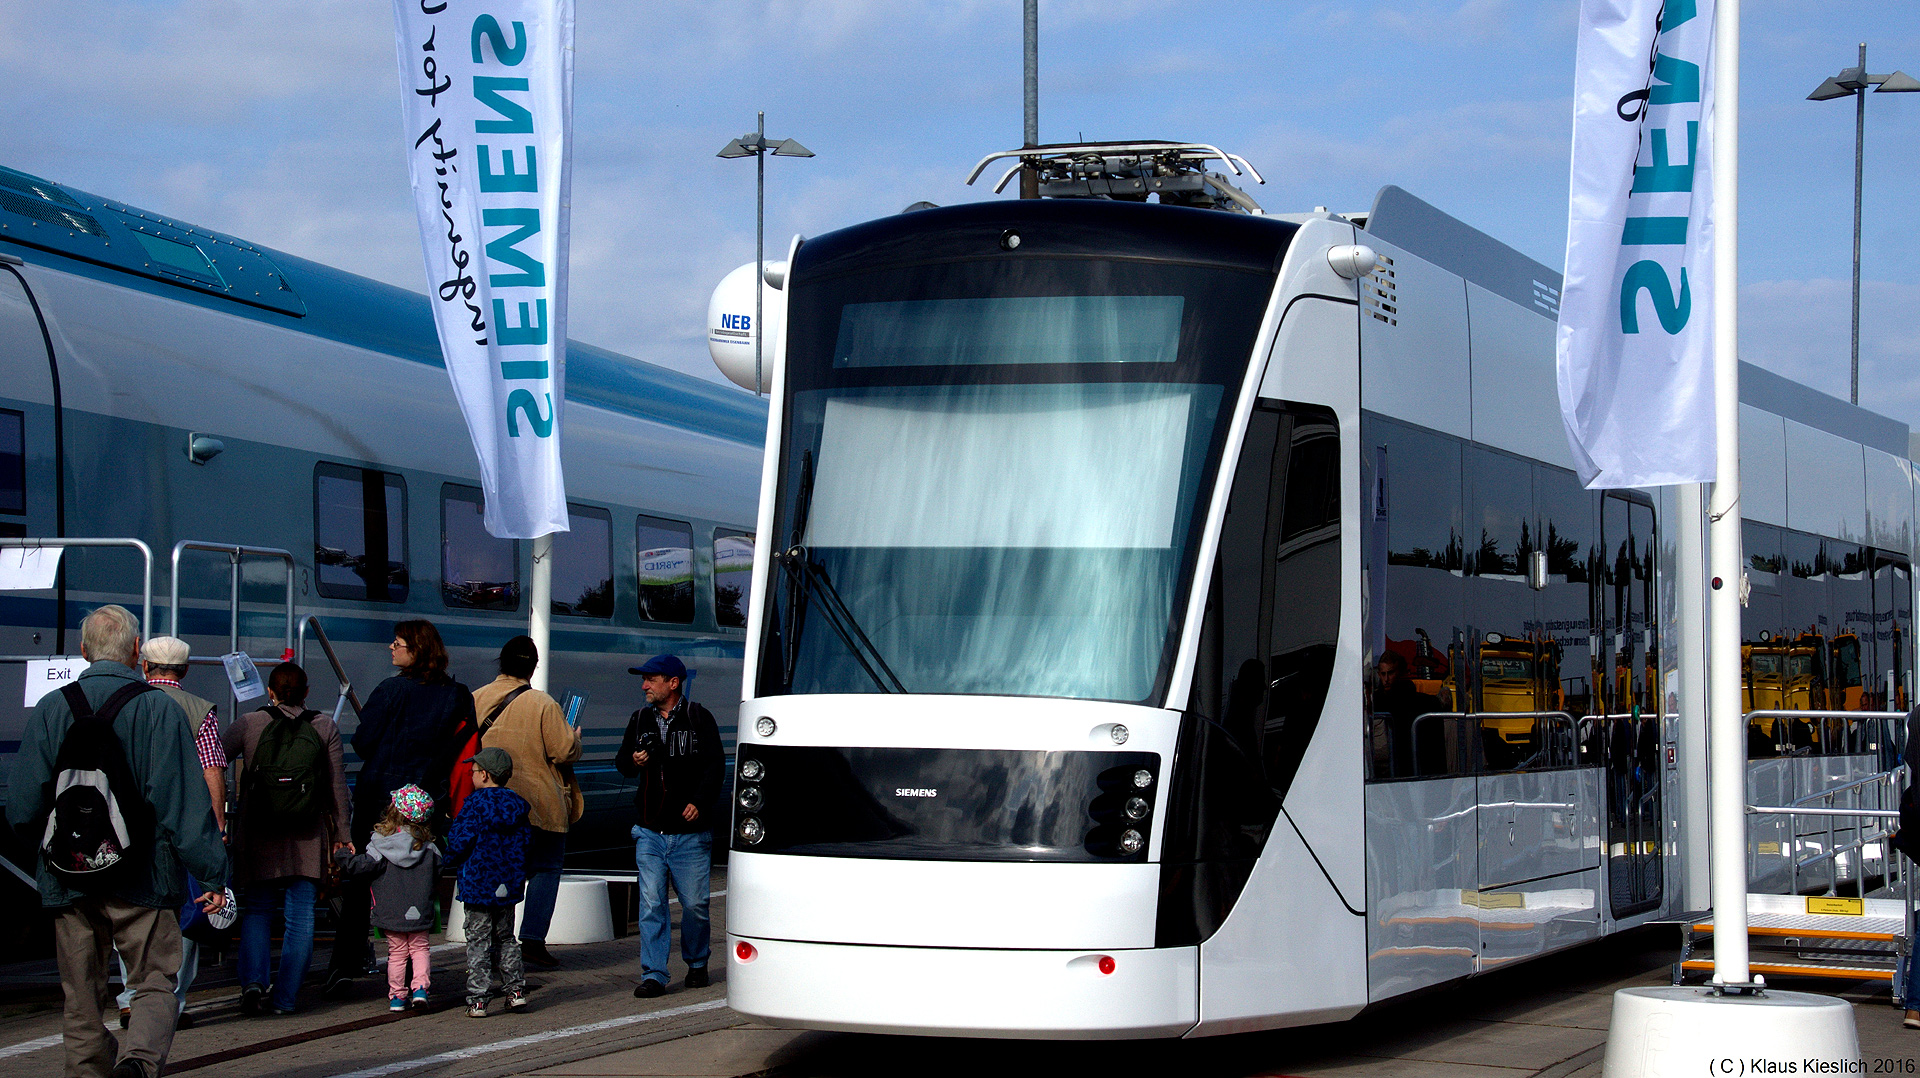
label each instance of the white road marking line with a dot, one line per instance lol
(30, 1046)
(459, 1054)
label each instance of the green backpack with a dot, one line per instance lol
(287, 777)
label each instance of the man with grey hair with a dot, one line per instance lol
(137, 915)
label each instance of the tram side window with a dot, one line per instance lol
(1503, 684)
(732, 577)
(664, 560)
(359, 533)
(477, 571)
(1413, 542)
(13, 471)
(583, 564)
(1564, 632)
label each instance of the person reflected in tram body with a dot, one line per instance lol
(673, 747)
(1402, 703)
(408, 735)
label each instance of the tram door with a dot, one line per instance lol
(1631, 750)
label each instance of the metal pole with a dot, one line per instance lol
(1692, 582)
(1030, 52)
(1726, 743)
(759, 251)
(540, 609)
(1859, 154)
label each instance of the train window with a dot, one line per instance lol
(664, 558)
(13, 461)
(477, 571)
(732, 576)
(359, 533)
(583, 564)
(1413, 541)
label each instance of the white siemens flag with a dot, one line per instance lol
(1636, 328)
(488, 92)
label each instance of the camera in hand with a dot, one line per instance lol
(650, 744)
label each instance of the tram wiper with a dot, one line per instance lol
(809, 576)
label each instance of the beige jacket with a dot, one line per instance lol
(536, 735)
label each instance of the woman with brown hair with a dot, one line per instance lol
(408, 734)
(292, 816)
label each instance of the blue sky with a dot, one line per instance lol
(280, 122)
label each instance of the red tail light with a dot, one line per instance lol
(1106, 963)
(744, 952)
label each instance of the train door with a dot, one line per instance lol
(1631, 723)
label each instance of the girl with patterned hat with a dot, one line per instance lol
(401, 862)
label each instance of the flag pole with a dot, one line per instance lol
(540, 608)
(1726, 725)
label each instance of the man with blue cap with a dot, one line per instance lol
(673, 747)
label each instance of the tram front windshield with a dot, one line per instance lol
(995, 473)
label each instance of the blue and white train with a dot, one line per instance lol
(1175, 622)
(125, 334)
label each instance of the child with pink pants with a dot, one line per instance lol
(402, 862)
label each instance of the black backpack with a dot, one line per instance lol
(287, 777)
(99, 821)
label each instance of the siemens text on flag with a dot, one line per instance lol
(1635, 341)
(488, 101)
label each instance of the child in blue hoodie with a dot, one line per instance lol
(488, 845)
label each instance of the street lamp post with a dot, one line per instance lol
(754, 144)
(1854, 82)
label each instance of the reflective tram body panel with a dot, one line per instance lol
(1407, 691)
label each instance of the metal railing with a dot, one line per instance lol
(146, 580)
(1884, 785)
(1854, 731)
(333, 659)
(1546, 747)
(235, 554)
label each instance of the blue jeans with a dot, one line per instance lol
(689, 860)
(258, 903)
(543, 882)
(189, 969)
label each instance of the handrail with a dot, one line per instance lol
(1881, 783)
(1850, 718)
(234, 552)
(19, 874)
(146, 587)
(339, 672)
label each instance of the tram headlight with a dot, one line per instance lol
(1143, 778)
(750, 798)
(764, 726)
(753, 770)
(751, 831)
(1137, 808)
(1130, 841)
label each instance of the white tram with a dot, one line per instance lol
(1175, 622)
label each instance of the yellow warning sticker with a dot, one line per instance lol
(1494, 900)
(1846, 907)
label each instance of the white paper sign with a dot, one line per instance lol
(52, 675)
(28, 568)
(243, 676)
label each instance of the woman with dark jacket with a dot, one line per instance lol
(277, 867)
(408, 734)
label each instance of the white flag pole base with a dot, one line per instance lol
(1693, 1031)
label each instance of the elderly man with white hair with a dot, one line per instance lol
(136, 913)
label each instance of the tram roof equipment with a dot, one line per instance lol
(1132, 172)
